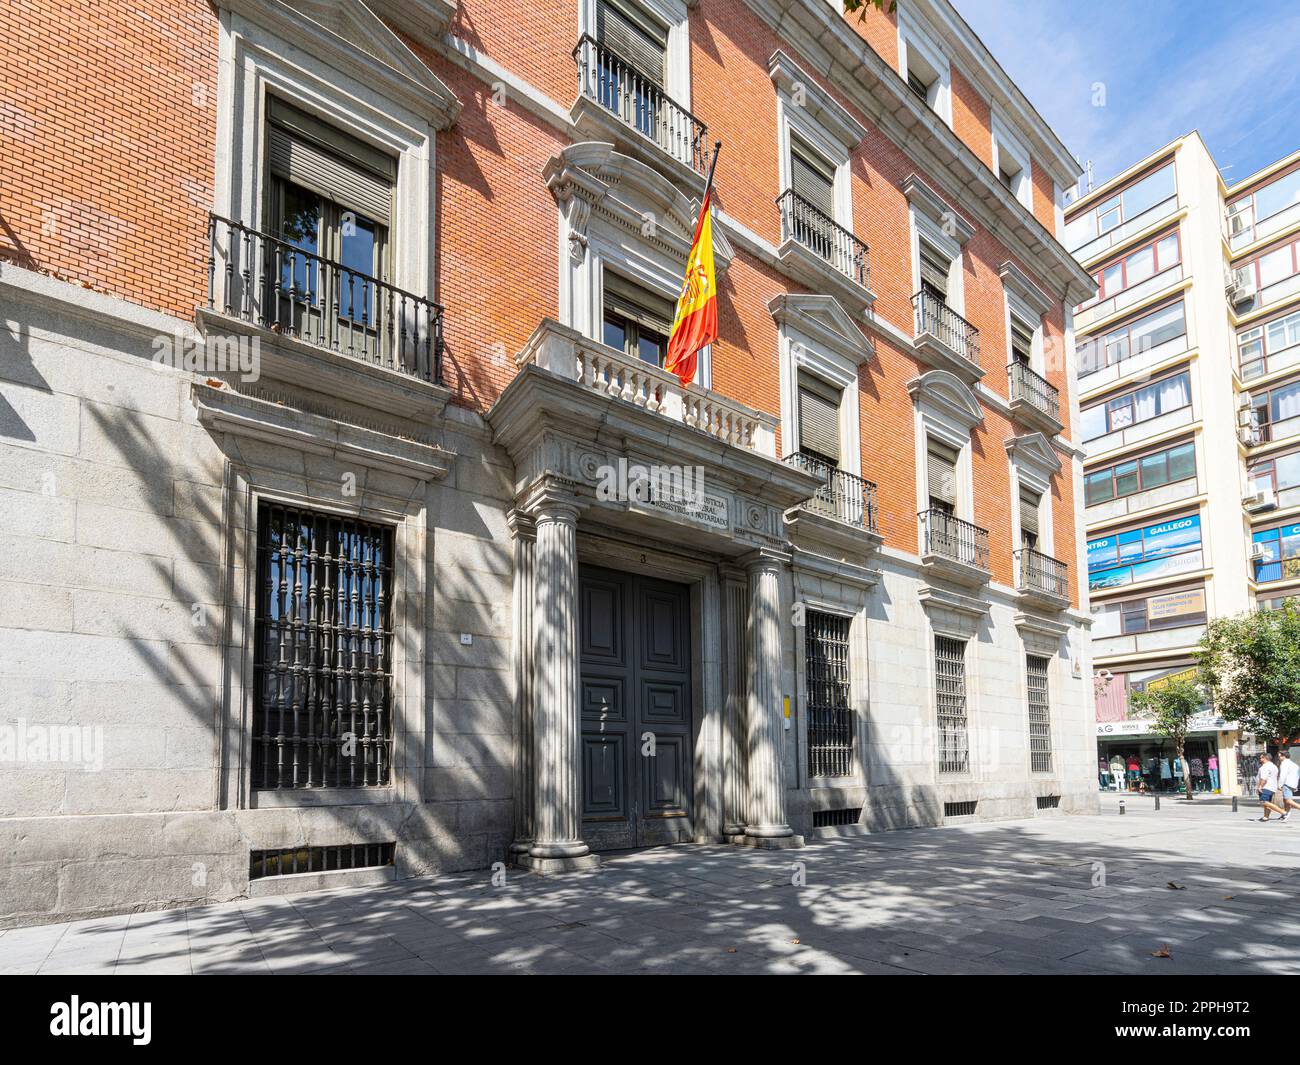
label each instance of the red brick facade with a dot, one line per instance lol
(108, 159)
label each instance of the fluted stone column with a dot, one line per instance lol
(735, 678)
(557, 775)
(765, 823)
(524, 531)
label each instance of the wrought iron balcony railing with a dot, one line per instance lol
(271, 282)
(640, 103)
(952, 538)
(844, 496)
(1041, 573)
(1034, 390)
(824, 237)
(935, 317)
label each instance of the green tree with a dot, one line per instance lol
(1250, 664)
(860, 6)
(1170, 709)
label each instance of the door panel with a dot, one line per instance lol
(634, 636)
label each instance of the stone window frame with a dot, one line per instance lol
(949, 412)
(913, 37)
(1026, 301)
(931, 218)
(806, 111)
(1034, 465)
(816, 334)
(1007, 142)
(371, 87)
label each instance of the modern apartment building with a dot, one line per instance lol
(352, 528)
(1189, 381)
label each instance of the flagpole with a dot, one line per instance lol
(717, 147)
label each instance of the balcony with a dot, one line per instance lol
(944, 339)
(844, 496)
(614, 374)
(1042, 579)
(618, 102)
(270, 283)
(955, 549)
(830, 242)
(1034, 400)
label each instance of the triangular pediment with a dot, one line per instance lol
(1035, 451)
(825, 320)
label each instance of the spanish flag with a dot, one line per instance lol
(696, 323)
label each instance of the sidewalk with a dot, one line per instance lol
(1055, 894)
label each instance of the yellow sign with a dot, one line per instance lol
(1171, 678)
(787, 706)
(1176, 604)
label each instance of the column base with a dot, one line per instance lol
(550, 866)
(767, 843)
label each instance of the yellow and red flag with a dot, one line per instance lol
(696, 323)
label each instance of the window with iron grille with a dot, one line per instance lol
(836, 818)
(950, 688)
(322, 713)
(830, 713)
(1040, 724)
(287, 861)
(1048, 802)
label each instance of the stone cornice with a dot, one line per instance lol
(1017, 281)
(930, 204)
(948, 393)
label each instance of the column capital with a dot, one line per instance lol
(770, 559)
(522, 526)
(552, 498)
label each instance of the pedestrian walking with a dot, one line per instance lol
(1288, 779)
(1267, 786)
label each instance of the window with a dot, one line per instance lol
(1137, 266)
(623, 26)
(1246, 215)
(830, 711)
(950, 690)
(1029, 504)
(920, 88)
(941, 476)
(1280, 474)
(1124, 206)
(329, 199)
(1272, 266)
(1145, 553)
(1259, 344)
(1022, 341)
(1277, 411)
(322, 716)
(1040, 722)
(1168, 610)
(637, 321)
(1141, 405)
(1275, 554)
(1142, 334)
(819, 418)
(1127, 478)
(934, 270)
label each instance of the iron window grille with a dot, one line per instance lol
(950, 687)
(287, 861)
(835, 818)
(830, 712)
(960, 809)
(322, 715)
(1040, 723)
(1048, 802)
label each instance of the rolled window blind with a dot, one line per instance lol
(1029, 512)
(941, 473)
(303, 149)
(934, 269)
(624, 28)
(648, 309)
(812, 177)
(819, 418)
(1022, 341)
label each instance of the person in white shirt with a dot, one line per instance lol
(1288, 779)
(1266, 785)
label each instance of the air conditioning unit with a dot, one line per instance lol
(1244, 401)
(1258, 551)
(1247, 419)
(1240, 290)
(1248, 436)
(1262, 500)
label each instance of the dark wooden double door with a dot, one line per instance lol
(634, 637)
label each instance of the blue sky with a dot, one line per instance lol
(1231, 71)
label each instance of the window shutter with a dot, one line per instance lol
(941, 473)
(1022, 341)
(635, 36)
(310, 153)
(934, 269)
(812, 177)
(819, 417)
(1029, 512)
(648, 309)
